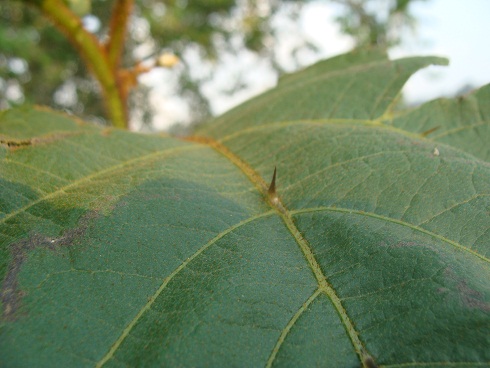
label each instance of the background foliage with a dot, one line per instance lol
(38, 64)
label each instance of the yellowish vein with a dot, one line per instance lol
(94, 175)
(290, 324)
(324, 285)
(30, 167)
(269, 97)
(275, 202)
(350, 123)
(152, 299)
(395, 221)
(458, 130)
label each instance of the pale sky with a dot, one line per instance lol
(454, 29)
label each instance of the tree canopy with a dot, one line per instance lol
(39, 65)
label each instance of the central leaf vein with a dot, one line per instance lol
(277, 205)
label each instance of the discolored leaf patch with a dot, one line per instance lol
(21, 143)
(11, 296)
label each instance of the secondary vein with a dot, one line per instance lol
(74, 184)
(290, 324)
(166, 281)
(395, 221)
(276, 203)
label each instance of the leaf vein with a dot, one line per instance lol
(36, 169)
(454, 206)
(166, 281)
(389, 219)
(382, 95)
(275, 202)
(92, 176)
(457, 130)
(341, 163)
(290, 324)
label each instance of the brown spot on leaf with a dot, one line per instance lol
(10, 295)
(22, 143)
(15, 143)
(471, 298)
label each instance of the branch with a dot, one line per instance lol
(119, 21)
(94, 55)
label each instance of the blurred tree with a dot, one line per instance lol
(376, 22)
(39, 65)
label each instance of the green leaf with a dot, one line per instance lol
(124, 249)
(466, 122)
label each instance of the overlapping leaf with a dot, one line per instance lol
(122, 249)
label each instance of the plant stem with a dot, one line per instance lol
(94, 54)
(119, 19)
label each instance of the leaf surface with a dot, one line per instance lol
(466, 122)
(123, 249)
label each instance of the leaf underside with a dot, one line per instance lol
(124, 249)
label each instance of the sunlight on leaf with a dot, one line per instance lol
(312, 226)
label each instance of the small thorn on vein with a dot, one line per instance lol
(272, 187)
(369, 363)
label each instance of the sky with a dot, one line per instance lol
(454, 29)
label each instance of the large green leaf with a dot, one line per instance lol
(123, 249)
